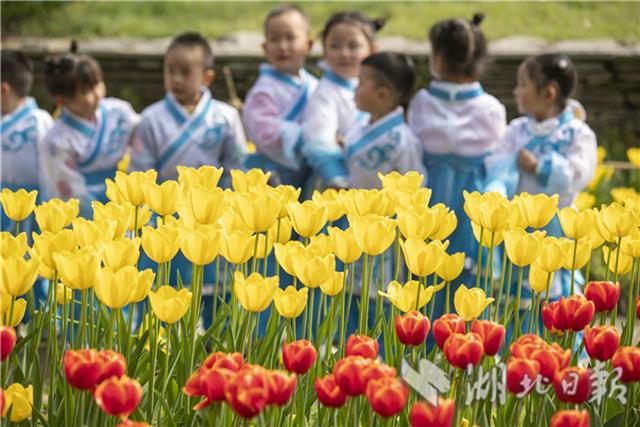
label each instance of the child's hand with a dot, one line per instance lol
(527, 161)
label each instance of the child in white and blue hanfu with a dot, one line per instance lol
(550, 150)
(273, 107)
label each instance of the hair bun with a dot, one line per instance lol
(378, 24)
(73, 47)
(477, 18)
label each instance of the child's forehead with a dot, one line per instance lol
(290, 20)
(185, 54)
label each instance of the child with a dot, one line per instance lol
(188, 127)
(274, 105)
(348, 38)
(550, 149)
(386, 143)
(24, 126)
(91, 134)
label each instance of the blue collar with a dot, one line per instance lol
(454, 95)
(178, 112)
(340, 81)
(269, 70)
(82, 125)
(375, 130)
(546, 127)
(10, 120)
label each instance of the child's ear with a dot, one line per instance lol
(310, 44)
(264, 47)
(5, 88)
(551, 92)
(209, 76)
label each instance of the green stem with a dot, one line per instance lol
(516, 333)
(364, 297)
(573, 266)
(479, 258)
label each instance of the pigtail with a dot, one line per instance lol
(378, 23)
(477, 19)
(73, 46)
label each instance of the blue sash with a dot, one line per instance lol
(462, 95)
(27, 108)
(374, 132)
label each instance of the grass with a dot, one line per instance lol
(551, 21)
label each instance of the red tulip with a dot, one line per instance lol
(82, 369)
(446, 325)
(209, 380)
(7, 341)
(298, 356)
(463, 349)
(601, 342)
(362, 345)
(573, 385)
(349, 373)
(528, 340)
(604, 295)
(424, 414)
(248, 391)
(521, 372)
(118, 396)
(111, 363)
(215, 381)
(129, 423)
(492, 335)
(552, 359)
(387, 396)
(412, 328)
(2, 401)
(638, 308)
(627, 359)
(570, 419)
(231, 361)
(281, 387)
(572, 313)
(376, 370)
(329, 392)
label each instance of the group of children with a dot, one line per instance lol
(338, 131)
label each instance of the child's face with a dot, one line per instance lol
(287, 42)
(344, 49)
(367, 93)
(529, 99)
(184, 73)
(85, 103)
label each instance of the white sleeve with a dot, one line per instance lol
(408, 155)
(144, 154)
(60, 175)
(234, 148)
(501, 165)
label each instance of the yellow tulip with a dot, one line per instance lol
(112, 192)
(516, 214)
(363, 202)
(144, 216)
(322, 244)
(618, 220)
(18, 401)
(334, 285)
(307, 218)
(633, 204)
(551, 255)
(289, 194)
(45, 245)
(230, 220)
(625, 262)
(522, 248)
(93, 233)
(583, 253)
(451, 266)
(13, 246)
(419, 221)
(55, 214)
(393, 181)
(254, 293)
(253, 179)
(538, 278)
(601, 154)
(281, 230)
(602, 229)
(160, 244)
(120, 253)
(631, 244)
(120, 214)
(494, 215)
(206, 206)
(162, 198)
(18, 205)
(633, 154)
(621, 194)
(470, 303)
(409, 199)
(204, 176)
(63, 294)
(78, 269)
(344, 244)
(169, 304)
(488, 240)
(290, 303)
(236, 246)
(584, 200)
(313, 270)
(404, 297)
(114, 288)
(472, 203)
(373, 233)
(602, 174)
(329, 198)
(259, 211)
(263, 251)
(143, 283)
(19, 307)
(446, 226)
(18, 274)
(594, 238)
(201, 244)
(538, 209)
(130, 187)
(576, 225)
(422, 258)
(287, 253)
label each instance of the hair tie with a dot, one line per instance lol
(563, 63)
(378, 24)
(477, 19)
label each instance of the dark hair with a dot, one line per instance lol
(369, 27)
(192, 39)
(69, 73)
(285, 8)
(461, 45)
(552, 68)
(393, 70)
(17, 71)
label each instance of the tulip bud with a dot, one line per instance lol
(570, 418)
(349, 373)
(463, 349)
(248, 391)
(362, 345)
(18, 205)
(298, 356)
(425, 414)
(7, 342)
(329, 393)
(281, 387)
(446, 325)
(572, 313)
(492, 335)
(521, 372)
(412, 328)
(470, 303)
(573, 385)
(604, 295)
(627, 359)
(118, 397)
(601, 342)
(18, 400)
(387, 396)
